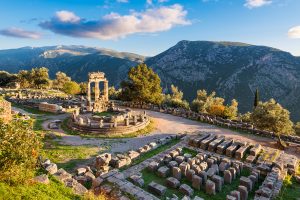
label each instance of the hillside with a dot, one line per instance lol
(76, 61)
(233, 70)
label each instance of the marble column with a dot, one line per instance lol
(105, 90)
(97, 90)
(89, 92)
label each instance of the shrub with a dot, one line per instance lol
(19, 146)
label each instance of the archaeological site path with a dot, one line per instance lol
(165, 124)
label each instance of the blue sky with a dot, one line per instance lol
(149, 27)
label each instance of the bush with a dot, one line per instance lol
(19, 146)
(71, 87)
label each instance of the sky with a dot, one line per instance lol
(148, 27)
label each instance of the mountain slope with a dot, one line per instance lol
(76, 61)
(233, 70)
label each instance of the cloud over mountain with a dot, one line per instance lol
(114, 25)
(294, 32)
(20, 33)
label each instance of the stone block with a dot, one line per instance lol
(227, 177)
(163, 171)
(210, 187)
(153, 166)
(176, 172)
(189, 174)
(179, 159)
(233, 172)
(218, 181)
(255, 150)
(213, 145)
(137, 180)
(243, 192)
(173, 164)
(172, 182)
(184, 166)
(196, 182)
(174, 153)
(157, 189)
(239, 154)
(133, 154)
(236, 194)
(203, 175)
(187, 190)
(244, 181)
(224, 166)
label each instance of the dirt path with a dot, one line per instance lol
(165, 125)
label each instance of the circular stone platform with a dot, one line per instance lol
(119, 121)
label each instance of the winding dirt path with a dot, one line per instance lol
(165, 125)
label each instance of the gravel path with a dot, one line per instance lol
(165, 125)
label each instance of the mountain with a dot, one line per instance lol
(233, 70)
(76, 61)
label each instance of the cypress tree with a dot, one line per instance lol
(256, 98)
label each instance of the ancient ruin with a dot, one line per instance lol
(101, 116)
(100, 103)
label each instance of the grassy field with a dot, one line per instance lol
(144, 131)
(32, 110)
(152, 153)
(68, 157)
(55, 190)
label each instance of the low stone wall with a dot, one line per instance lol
(106, 130)
(5, 110)
(202, 117)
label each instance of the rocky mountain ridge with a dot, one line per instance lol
(233, 70)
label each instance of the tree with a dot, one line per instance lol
(231, 111)
(19, 147)
(83, 87)
(25, 78)
(40, 77)
(7, 78)
(61, 79)
(113, 93)
(71, 87)
(142, 85)
(175, 99)
(271, 116)
(256, 98)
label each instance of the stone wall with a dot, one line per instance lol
(5, 110)
(238, 125)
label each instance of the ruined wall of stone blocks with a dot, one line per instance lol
(5, 110)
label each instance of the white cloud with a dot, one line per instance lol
(67, 16)
(114, 25)
(294, 32)
(20, 33)
(257, 3)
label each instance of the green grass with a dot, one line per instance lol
(290, 189)
(54, 190)
(32, 110)
(66, 156)
(152, 153)
(189, 151)
(145, 131)
(226, 189)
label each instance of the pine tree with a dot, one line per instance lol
(256, 98)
